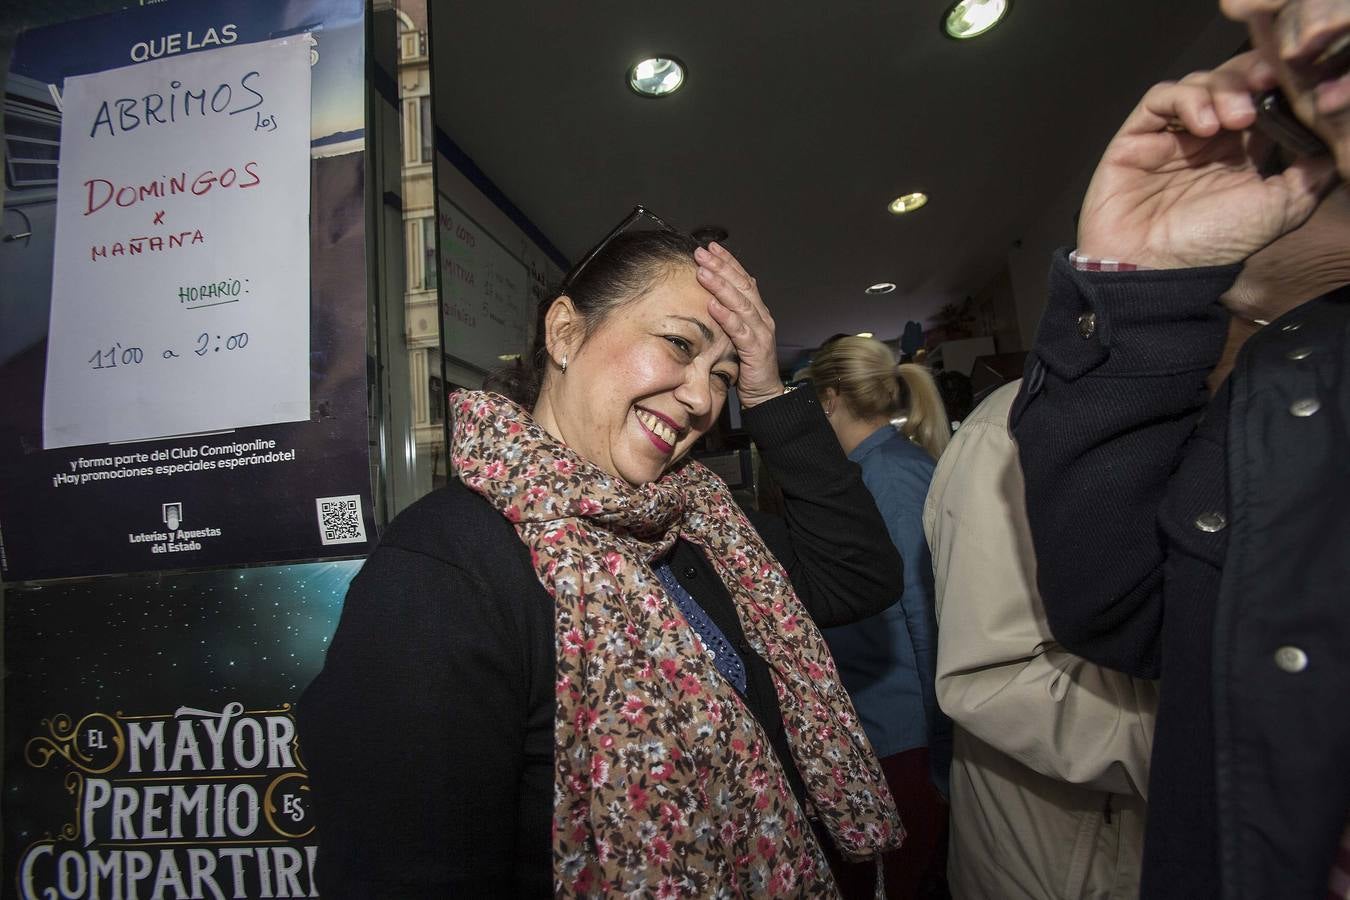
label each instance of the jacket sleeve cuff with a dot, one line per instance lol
(1147, 322)
(792, 432)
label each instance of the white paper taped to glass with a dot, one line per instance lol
(180, 288)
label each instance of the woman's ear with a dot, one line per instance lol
(829, 397)
(563, 329)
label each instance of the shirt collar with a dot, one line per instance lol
(872, 441)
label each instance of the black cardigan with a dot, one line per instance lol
(1137, 487)
(429, 733)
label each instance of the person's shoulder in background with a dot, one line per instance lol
(896, 453)
(995, 408)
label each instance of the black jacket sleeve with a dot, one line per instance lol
(1113, 391)
(412, 735)
(832, 540)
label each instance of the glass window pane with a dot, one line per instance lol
(429, 267)
(428, 130)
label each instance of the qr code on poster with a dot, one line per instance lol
(340, 520)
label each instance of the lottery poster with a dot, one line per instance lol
(150, 736)
(183, 326)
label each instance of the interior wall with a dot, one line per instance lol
(995, 309)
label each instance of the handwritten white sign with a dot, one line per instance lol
(180, 286)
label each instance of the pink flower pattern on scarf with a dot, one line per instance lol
(664, 783)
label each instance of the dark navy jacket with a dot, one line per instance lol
(1206, 543)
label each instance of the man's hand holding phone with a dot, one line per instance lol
(1276, 120)
(1179, 185)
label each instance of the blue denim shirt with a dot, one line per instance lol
(888, 662)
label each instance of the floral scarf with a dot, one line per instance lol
(664, 782)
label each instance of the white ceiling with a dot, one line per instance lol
(800, 121)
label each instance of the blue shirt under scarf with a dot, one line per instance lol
(725, 657)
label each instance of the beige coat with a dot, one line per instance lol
(1050, 752)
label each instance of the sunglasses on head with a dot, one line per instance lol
(640, 216)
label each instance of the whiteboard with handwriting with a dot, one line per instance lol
(180, 284)
(485, 290)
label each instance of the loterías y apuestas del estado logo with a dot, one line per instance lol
(175, 537)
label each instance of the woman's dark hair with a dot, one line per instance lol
(627, 267)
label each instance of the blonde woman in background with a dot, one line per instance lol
(890, 420)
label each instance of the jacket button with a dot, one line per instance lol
(1308, 406)
(1300, 353)
(1087, 325)
(1211, 522)
(1291, 660)
(690, 572)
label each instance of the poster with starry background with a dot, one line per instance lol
(150, 744)
(247, 494)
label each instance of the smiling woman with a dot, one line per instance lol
(641, 387)
(584, 637)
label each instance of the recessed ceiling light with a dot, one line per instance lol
(908, 203)
(659, 76)
(881, 287)
(971, 18)
(864, 334)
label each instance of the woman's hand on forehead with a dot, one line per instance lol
(738, 308)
